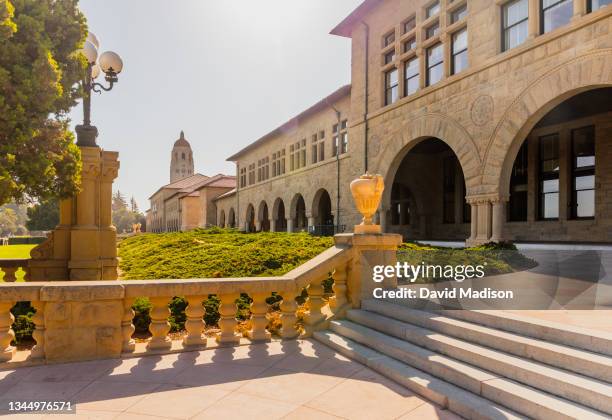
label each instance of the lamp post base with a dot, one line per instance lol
(86, 135)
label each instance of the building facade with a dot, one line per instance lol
(489, 121)
(187, 202)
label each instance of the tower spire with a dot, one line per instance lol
(182, 134)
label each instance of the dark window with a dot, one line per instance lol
(549, 177)
(460, 51)
(598, 4)
(390, 56)
(344, 144)
(448, 205)
(400, 205)
(583, 173)
(315, 152)
(391, 86)
(389, 39)
(515, 25)
(435, 66)
(183, 156)
(459, 13)
(410, 44)
(411, 76)
(433, 9)
(432, 30)
(555, 13)
(517, 206)
(335, 145)
(409, 25)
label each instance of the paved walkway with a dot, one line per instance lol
(292, 379)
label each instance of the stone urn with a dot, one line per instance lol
(367, 191)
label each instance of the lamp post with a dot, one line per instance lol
(111, 64)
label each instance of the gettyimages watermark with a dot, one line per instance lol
(497, 279)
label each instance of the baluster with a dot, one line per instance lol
(26, 272)
(259, 321)
(339, 300)
(227, 322)
(128, 344)
(195, 323)
(288, 308)
(9, 274)
(160, 327)
(6, 332)
(38, 351)
(315, 316)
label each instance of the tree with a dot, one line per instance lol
(118, 201)
(134, 205)
(43, 216)
(12, 219)
(39, 70)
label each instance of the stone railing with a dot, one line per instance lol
(10, 266)
(81, 320)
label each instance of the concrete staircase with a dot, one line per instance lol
(480, 365)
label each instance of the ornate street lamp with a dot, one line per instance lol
(111, 64)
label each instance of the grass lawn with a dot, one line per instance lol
(216, 252)
(15, 251)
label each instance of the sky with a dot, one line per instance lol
(224, 71)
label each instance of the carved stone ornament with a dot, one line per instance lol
(482, 110)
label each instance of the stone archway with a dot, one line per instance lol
(249, 224)
(279, 218)
(587, 72)
(222, 219)
(297, 212)
(263, 217)
(322, 213)
(429, 126)
(232, 218)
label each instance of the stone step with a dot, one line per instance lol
(568, 335)
(517, 397)
(451, 397)
(571, 386)
(588, 363)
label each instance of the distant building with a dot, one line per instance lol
(187, 202)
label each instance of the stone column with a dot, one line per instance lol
(257, 225)
(580, 8)
(273, 225)
(108, 233)
(289, 225)
(474, 222)
(311, 221)
(484, 221)
(534, 19)
(499, 218)
(382, 215)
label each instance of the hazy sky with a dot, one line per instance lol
(224, 71)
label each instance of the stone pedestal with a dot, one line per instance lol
(84, 245)
(369, 250)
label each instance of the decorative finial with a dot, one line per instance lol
(182, 135)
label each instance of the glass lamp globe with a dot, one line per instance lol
(90, 52)
(95, 71)
(91, 37)
(111, 62)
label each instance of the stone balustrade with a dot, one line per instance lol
(10, 267)
(82, 320)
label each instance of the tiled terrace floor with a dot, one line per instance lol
(291, 379)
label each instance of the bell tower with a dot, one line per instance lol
(181, 162)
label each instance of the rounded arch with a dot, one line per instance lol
(222, 218)
(250, 218)
(322, 208)
(415, 131)
(587, 72)
(231, 219)
(263, 216)
(296, 201)
(297, 212)
(279, 215)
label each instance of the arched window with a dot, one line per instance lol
(183, 155)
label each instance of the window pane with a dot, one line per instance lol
(515, 12)
(409, 25)
(598, 4)
(412, 67)
(550, 185)
(391, 78)
(389, 39)
(433, 9)
(389, 57)
(558, 15)
(410, 44)
(585, 182)
(460, 62)
(432, 31)
(459, 14)
(585, 201)
(516, 35)
(460, 41)
(583, 143)
(551, 206)
(435, 74)
(435, 55)
(412, 85)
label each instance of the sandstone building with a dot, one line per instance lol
(187, 202)
(489, 120)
